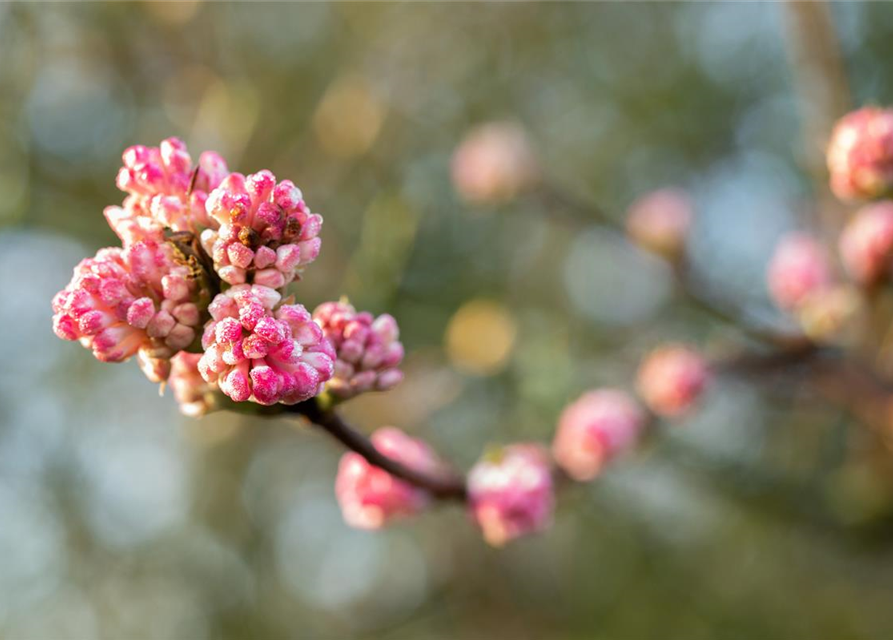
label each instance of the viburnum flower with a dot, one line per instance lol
(193, 394)
(860, 154)
(165, 190)
(260, 350)
(866, 244)
(594, 429)
(659, 221)
(266, 234)
(671, 379)
(511, 493)
(494, 163)
(369, 496)
(367, 347)
(124, 301)
(798, 268)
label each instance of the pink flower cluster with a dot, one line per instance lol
(799, 269)
(866, 244)
(671, 379)
(266, 233)
(257, 349)
(371, 497)
(593, 430)
(124, 301)
(860, 155)
(185, 228)
(165, 190)
(368, 350)
(511, 493)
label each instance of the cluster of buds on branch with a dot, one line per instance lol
(197, 293)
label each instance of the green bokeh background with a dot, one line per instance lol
(767, 515)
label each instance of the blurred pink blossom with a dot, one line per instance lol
(494, 163)
(260, 350)
(866, 244)
(660, 220)
(369, 352)
(511, 492)
(595, 428)
(671, 379)
(860, 154)
(798, 269)
(369, 496)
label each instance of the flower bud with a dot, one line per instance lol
(866, 244)
(659, 222)
(369, 496)
(594, 429)
(510, 493)
(193, 394)
(799, 268)
(493, 164)
(671, 379)
(860, 154)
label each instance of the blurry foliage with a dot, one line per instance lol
(765, 517)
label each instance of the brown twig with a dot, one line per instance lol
(443, 486)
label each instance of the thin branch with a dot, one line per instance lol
(573, 211)
(444, 486)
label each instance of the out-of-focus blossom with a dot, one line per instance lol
(866, 244)
(266, 234)
(371, 497)
(595, 428)
(164, 190)
(367, 347)
(798, 268)
(259, 350)
(511, 493)
(659, 221)
(860, 154)
(124, 301)
(193, 394)
(494, 163)
(671, 379)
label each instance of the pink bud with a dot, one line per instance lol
(860, 154)
(660, 221)
(510, 493)
(798, 269)
(866, 244)
(369, 496)
(671, 379)
(493, 164)
(194, 396)
(591, 431)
